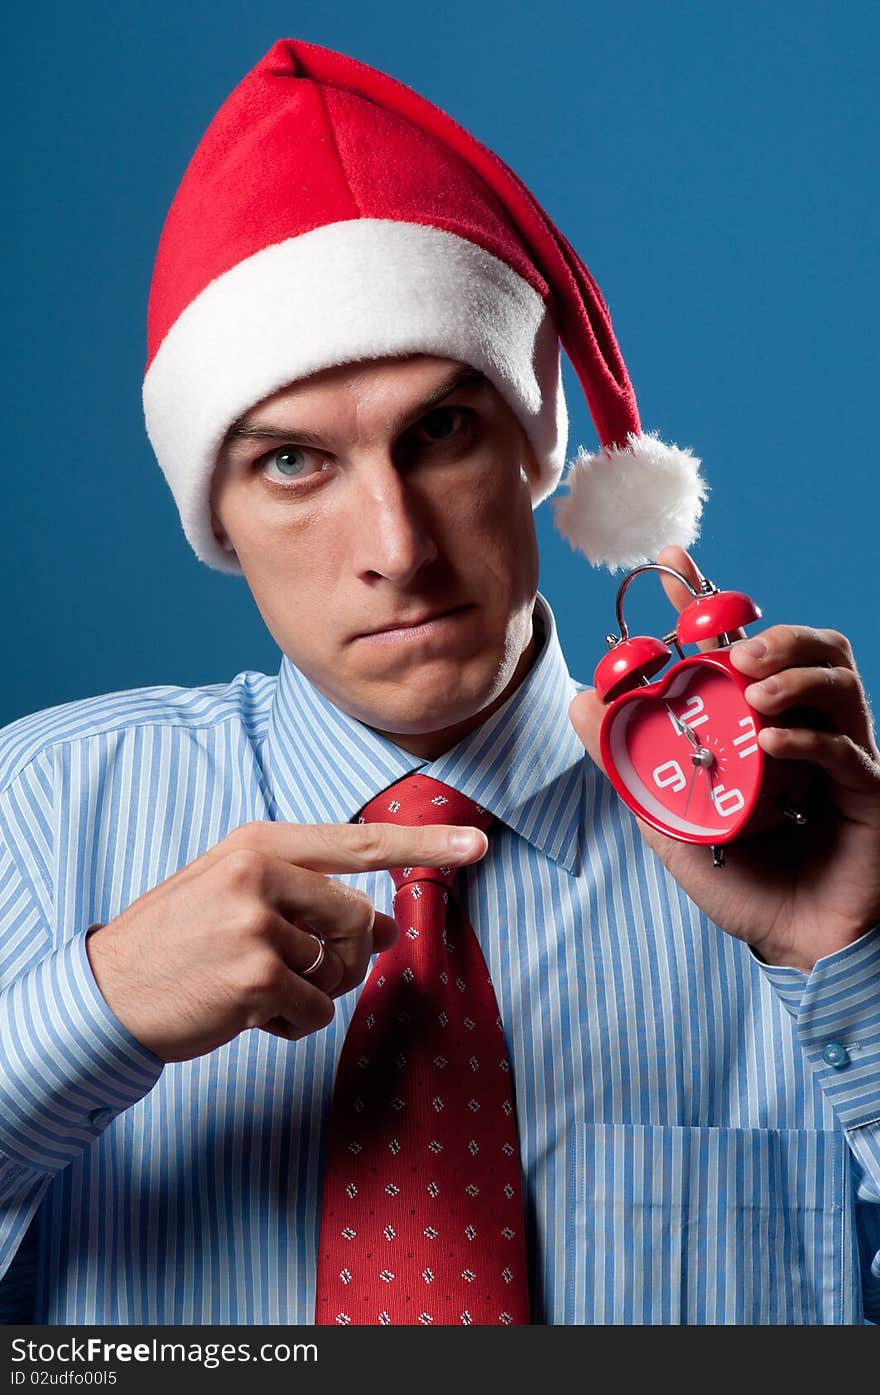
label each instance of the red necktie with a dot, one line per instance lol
(422, 1214)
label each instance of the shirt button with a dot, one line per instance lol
(99, 1117)
(835, 1055)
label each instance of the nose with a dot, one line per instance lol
(392, 531)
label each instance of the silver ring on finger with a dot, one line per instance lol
(319, 959)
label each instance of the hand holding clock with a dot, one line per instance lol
(794, 894)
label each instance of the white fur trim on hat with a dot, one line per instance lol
(626, 503)
(357, 289)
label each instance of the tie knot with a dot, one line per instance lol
(420, 799)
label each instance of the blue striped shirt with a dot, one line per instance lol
(689, 1156)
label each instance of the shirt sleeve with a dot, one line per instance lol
(68, 1066)
(836, 1010)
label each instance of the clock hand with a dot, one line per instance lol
(702, 759)
(690, 789)
(683, 729)
(701, 756)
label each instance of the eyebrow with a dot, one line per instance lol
(454, 382)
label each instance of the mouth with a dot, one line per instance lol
(423, 625)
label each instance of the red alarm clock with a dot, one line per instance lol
(683, 752)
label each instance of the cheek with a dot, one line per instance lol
(297, 600)
(490, 490)
(501, 516)
(287, 562)
(270, 534)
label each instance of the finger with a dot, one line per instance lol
(679, 561)
(360, 847)
(585, 712)
(313, 958)
(342, 916)
(298, 1009)
(856, 774)
(834, 691)
(319, 953)
(785, 646)
(386, 932)
(679, 595)
(327, 969)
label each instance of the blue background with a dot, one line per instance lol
(714, 165)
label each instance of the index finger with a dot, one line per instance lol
(362, 847)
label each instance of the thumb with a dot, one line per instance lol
(585, 712)
(679, 561)
(683, 562)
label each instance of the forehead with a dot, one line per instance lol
(371, 381)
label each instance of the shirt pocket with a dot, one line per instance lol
(672, 1224)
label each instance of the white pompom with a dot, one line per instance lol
(626, 503)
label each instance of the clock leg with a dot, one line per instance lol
(717, 854)
(794, 814)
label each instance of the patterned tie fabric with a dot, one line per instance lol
(422, 1213)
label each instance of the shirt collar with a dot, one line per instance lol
(525, 763)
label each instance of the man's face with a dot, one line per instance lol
(378, 492)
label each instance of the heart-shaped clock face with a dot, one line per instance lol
(684, 753)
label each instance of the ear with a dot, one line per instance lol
(220, 534)
(529, 466)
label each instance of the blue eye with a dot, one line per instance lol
(291, 463)
(288, 460)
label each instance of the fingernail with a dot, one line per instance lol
(758, 690)
(464, 840)
(748, 648)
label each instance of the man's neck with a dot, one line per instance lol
(431, 744)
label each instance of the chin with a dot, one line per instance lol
(423, 713)
(425, 720)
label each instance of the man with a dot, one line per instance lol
(353, 389)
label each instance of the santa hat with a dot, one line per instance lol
(331, 214)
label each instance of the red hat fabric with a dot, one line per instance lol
(330, 214)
